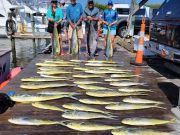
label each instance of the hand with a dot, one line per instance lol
(73, 26)
(111, 24)
(51, 20)
(55, 25)
(106, 23)
(89, 18)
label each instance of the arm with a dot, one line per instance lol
(116, 18)
(68, 17)
(103, 19)
(81, 15)
(48, 14)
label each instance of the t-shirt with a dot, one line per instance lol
(74, 12)
(110, 16)
(57, 16)
(93, 13)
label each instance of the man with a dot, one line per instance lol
(91, 14)
(109, 18)
(74, 16)
(54, 17)
(64, 23)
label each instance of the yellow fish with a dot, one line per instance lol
(92, 87)
(40, 79)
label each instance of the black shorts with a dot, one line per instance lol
(50, 28)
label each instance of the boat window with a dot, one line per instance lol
(1, 15)
(123, 11)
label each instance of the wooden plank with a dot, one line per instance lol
(28, 110)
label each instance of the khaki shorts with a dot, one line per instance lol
(80, 32)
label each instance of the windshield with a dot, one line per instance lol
(140, 12)
(123, 11)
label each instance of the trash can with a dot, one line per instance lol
(4, 65)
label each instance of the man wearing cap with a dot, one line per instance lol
(110, 18)
(74, 16)
(91, 14)
(54, 17)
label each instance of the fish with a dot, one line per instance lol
(43, 86)
(88, 76)
(74, 46)
(103, 72)
(29, 98)
(80, 69)
(114, 69)
(84, 82)
(134, 90)
(115, 80)
(47, 107)
(57, 72)
(101, 65)
(102, 61)
(95, 101)
(92, 87)
(112, 93)
(54, 77)
(58, 93)
(137, 121)
(138, 131)
(109, 46)
(51, 68)
(87, 126)
(91, 39)
(82, 107)
(130, 106)
(124, 76)
(40, 79)
(31, 122)
(57, 62)
(80, 115)
(140, 101)
(53, 65)
(56, 49)
(125, 84)
(77, 61)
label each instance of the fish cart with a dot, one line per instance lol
(145, 76)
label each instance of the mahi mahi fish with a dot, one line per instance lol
(79, 115)
(31, 122)
(74, 46)
(82, 107)
(95, 101)
(87, 76)
(102, 61)
(136, 121)
(84, 82)
(40, 79)
(111, 93)
(55, 72)
(80, 69)
(47, 107)
(56, 49)
(58, 62)
(138, 131)
(131, 90)
(87, 126)
(54, 65)
(101, 65)
(92, 87)
(109, 46)
(54, 77)
(115, 80)
(59, 93)
(124, 75)
(125, 84)
(29, 98)
(104, 72)
(91, 39)
(51, 68)
(43, 86)
(140, 101)
(130, 106)
(77, 61)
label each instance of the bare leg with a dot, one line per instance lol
(61, 43)
(112, 40)
(105, 41)
(79, 42)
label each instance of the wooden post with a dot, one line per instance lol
(43, 19)
(33, 30)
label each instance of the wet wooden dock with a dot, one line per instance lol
(123, 58)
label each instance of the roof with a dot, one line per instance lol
(169, 9)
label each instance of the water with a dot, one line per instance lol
(24, 50)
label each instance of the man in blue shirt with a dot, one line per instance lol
(74, 16)
(110, 18)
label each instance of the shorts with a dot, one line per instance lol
(105, 31)
(50, 28)
(80, 32)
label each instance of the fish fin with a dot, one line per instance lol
(72, 97)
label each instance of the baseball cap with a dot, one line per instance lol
(110, 2)
(54, 1)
